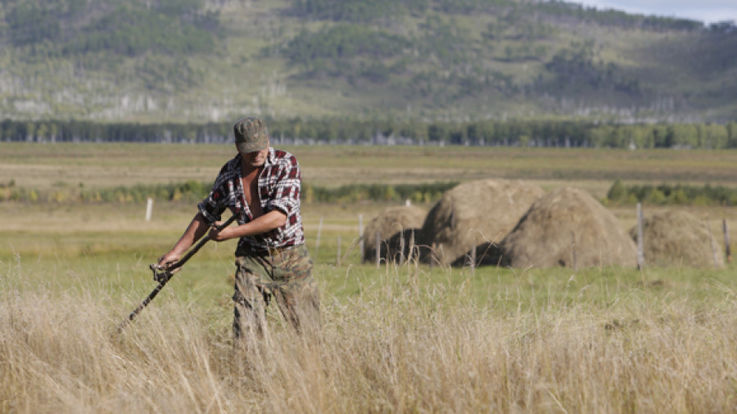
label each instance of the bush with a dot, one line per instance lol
(655, 196)
(617, 192)
(667, 194)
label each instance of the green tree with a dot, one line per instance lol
(616, 192)
(731, 135)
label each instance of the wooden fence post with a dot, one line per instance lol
(727, 250)
(149, 208)
(640, 244)
(473, 260)
(401, 247)
(411, 255)
(378, 250)
(573, 251)
(337, 260)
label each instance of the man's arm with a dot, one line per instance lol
(196, 229)
(262, 224)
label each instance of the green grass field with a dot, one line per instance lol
(406, 338)
(94, 165)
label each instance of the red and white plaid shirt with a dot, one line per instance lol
(279, 186)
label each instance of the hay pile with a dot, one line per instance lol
(568, 227)
(393, 225)
(678, 238)
(473, 213)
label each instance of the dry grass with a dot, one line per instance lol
(403, 347)
(398, 340)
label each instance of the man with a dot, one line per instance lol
(262, 186)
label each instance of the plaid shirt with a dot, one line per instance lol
(279, 184)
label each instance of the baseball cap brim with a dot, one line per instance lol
(246, 147)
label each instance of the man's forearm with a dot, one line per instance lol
(196, 229)
(262, 224)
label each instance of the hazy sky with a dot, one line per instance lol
(708, 11)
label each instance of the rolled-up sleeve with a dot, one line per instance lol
(213, 205)
(285, 196)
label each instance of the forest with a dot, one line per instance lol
(521, 133)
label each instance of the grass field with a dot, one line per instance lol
(394, 339)
(94, 165)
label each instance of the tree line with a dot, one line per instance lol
(520, 133)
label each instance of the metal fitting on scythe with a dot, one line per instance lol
(161, 274)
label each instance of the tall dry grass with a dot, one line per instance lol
(400, 348)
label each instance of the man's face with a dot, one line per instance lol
(255, 158)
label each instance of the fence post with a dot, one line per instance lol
(727, 250)
(411, 254)
(337, 261)
(378, 250)
(149, 208)
(401, 247)
(640, 244)
(433, 254)
(573, 251)
(473, 260)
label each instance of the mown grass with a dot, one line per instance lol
(97, 166)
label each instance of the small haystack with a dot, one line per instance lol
(568, 227)
(473, 213)
(396, 227)
(678, 238)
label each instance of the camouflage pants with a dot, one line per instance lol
(284, 275)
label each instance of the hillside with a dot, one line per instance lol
(214, 60)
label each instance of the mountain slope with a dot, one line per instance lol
(197, 61)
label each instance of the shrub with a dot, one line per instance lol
(617, 192)
(671, 194)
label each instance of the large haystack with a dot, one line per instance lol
(473, 213)
(678, 238)
(395, 227)
(568, 227)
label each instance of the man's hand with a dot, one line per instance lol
(168, 259)
(218, 235)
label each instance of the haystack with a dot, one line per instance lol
(473, 213)
(568, 227)
(396, 227)
(678, 238)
